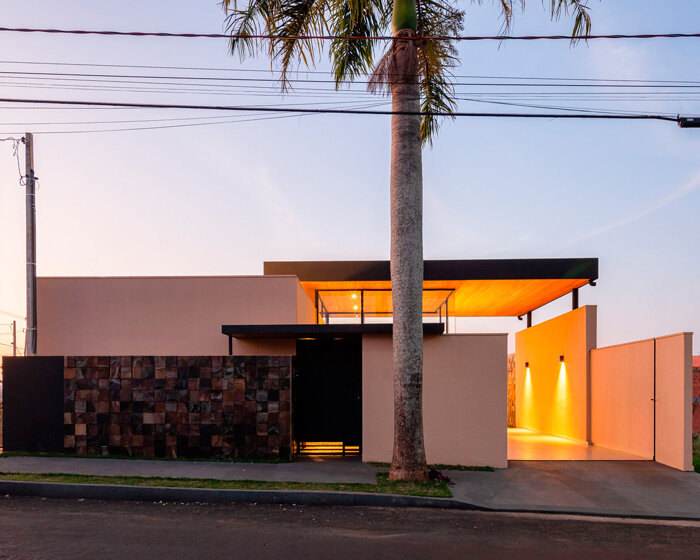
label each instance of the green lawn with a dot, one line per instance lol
(441, 467)
(434, 489)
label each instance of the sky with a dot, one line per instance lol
(221, 199)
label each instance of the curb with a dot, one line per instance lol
(115, 492)
(208, 495)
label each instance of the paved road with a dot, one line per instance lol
(34, 528)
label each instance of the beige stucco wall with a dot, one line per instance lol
(306, 309)
(674, 378)
(554, 398)
(622, 389)
(464, 399)
(162, 315)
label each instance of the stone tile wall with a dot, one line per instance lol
(511, 391)
(177, 406)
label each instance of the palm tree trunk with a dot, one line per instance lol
(408, 461)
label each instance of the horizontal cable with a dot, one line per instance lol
(154, 79)
(349, 37)
(335, 111)
(271, 71)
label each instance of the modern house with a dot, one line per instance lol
(298, 360)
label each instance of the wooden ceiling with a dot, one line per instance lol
(471, 298)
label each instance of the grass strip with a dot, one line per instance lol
(433, 489)
(441, 467)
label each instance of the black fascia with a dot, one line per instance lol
(440, 270)
(318, 331)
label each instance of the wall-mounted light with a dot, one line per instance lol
(561, 358)
(527, 364)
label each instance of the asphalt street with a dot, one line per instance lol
(36, 528)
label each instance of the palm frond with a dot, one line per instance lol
(356, 18)
(437, 18)
(582, 19)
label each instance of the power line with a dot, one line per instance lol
(12, 314)
(247, 70)
(349, 37)
(242, 119)
(336, 111)
(151, 79)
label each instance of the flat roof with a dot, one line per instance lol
(476, 288)
(317, 331)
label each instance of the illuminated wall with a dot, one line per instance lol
(552, 396)
(464, 399)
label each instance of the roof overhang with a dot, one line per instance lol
(479, 288)
(318, 331)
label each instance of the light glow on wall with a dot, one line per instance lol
(528, 398)
(562, 418)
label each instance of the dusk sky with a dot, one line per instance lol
(222, 198)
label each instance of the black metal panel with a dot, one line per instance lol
(32, 404)
(486, 269)
(318, 330)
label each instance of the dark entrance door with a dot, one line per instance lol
(327, 396)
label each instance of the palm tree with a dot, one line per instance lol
(417, 74)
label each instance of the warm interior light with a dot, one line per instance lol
(355, 307)
(562, 415)
(528, 398)
(354, 296)
(307, 338)
(326, 448)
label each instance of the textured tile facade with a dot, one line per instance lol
(511, 390)
(176, 406)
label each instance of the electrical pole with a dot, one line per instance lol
(30, 344)
(14, 338)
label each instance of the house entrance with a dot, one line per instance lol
(327, 397)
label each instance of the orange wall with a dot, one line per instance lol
(622, 389)
(464, 399)
(674, 390)
(553, 397)
(161, 315)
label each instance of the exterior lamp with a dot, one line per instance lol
(561, 359)
(527, 364)
(354, 296)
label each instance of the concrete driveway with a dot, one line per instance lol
(625, 488)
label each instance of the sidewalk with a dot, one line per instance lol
(340, 470)
(609, 488)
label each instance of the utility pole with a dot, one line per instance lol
(30, 344)
(14, 338)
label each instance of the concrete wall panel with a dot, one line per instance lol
(674, 378)
(622, 389)
(464, 399)
(160, 315)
